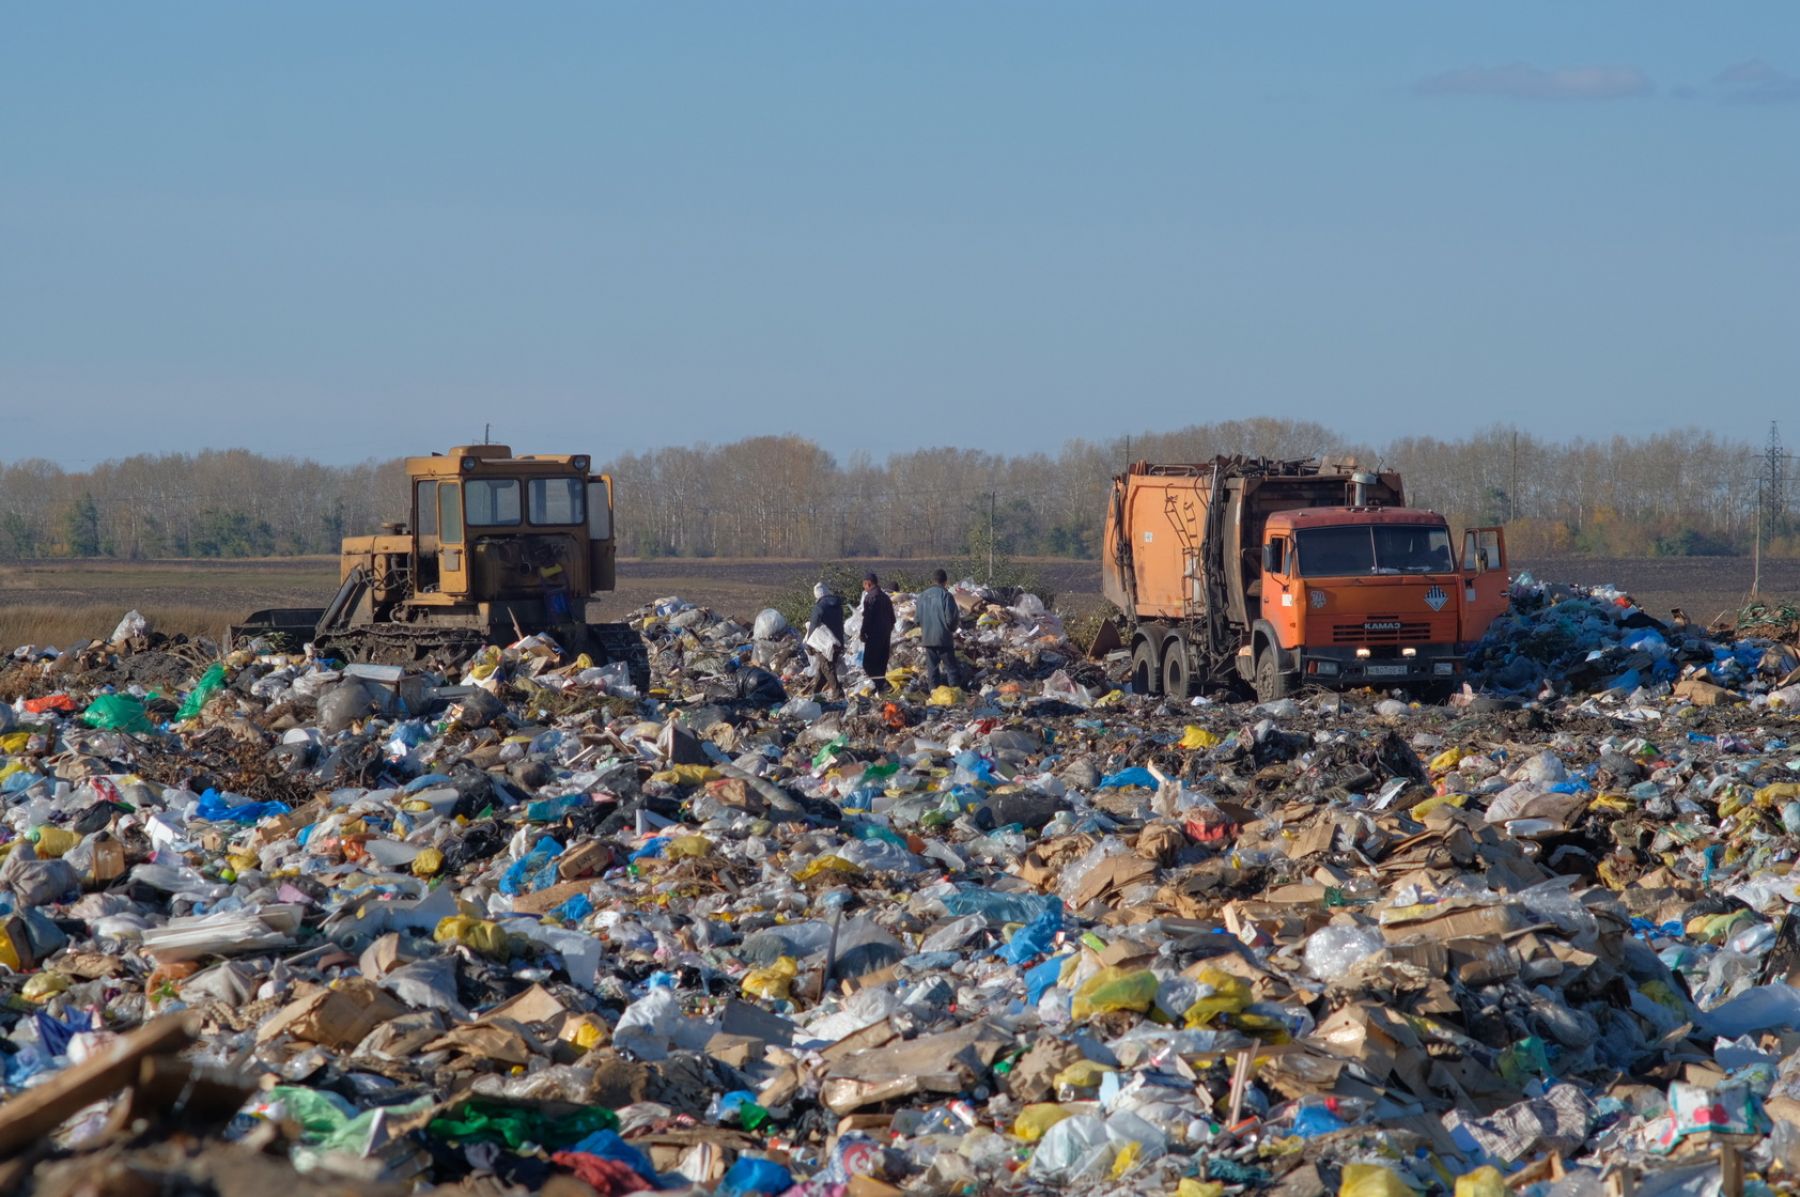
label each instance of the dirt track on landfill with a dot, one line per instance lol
(62, 602)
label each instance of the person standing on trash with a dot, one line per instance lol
(938, 620)
(827, 616)
(877, 631)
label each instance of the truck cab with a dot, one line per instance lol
(1370, 596)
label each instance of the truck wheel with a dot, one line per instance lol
(1175, 672)
(1145, 679)
(1271, 682)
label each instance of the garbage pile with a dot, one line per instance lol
(1557, 639)
(520, 928)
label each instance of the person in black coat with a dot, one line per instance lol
(877, 631)
(827, 613)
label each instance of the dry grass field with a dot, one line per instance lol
(68, 602)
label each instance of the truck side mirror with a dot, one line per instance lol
(1271, 559)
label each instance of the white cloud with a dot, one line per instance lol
(1521, 81)
(1754, 81)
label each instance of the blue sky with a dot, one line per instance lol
(352, 230)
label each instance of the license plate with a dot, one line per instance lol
(1386, 671)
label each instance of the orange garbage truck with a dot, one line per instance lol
(1282, 574)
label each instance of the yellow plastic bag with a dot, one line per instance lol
(945, 696)
(1035, 1119)
(1083, 1074)
(1372, 1180)
(774, 983)
(1778, 793)
(478, 935)
(833, 864)
(1437, 801)
(1115, 988)
(483, 663)
(687, 847)
(1111, 698)
(1483, 1182)
(1193, 1186)
(44, 986)
(1198, 737)
(1230, 994)
(428, 863)
(1128, 1155)
(686, 775)
(15, 741)
(1447, 760)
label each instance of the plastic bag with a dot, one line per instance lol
(478, 935)
(1230, 995)
(495, 1120)
(1115, 988)
(132, 626)
(752, 1177)
(210, 683)
(1485, 1181)
(1373, 1180)
(1333, 951)
(1035, 1120)
(770, 623)
(823, 641)
(775, 983)
(1198, 737)
(1035, 938)
(117, 712)
(945, 696)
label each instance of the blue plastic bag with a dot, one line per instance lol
(1034, 938)
(755, 1176)
(534, 870)
(1041, 978)
(1137, 775)
(214, 809)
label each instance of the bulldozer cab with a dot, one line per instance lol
(491, 527)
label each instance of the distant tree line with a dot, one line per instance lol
(1670, 494)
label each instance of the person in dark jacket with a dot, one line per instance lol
(827, 613)
(877, 631)
(938, 620)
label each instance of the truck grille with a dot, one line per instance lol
(1380, 631)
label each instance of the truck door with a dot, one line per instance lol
(453, 561)
(1485, 581)
(1282, 605)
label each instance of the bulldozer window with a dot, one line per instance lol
(555, 501)
(492, 502)
(450, 513)
(425, 514)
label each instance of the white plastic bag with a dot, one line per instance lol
(824, 642)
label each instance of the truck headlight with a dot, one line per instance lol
(1362, 654)
(1409, 652)
(1442, 667)
(1326, 668)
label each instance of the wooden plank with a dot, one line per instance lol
(38, 1111)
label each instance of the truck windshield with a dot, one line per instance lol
(1375, 549)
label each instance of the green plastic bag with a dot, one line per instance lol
(211, 682)
(496, 1120)
(117, 712)
(326, 1122)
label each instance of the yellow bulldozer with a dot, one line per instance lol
(498, 547)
